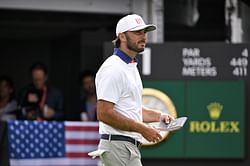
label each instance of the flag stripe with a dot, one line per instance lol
(68, 123)
(76, 155)
(82, 141)
(81, 128)
(80, 148)
(82, 135)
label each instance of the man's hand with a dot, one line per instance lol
(48, 112)
(151, 134)
(166, 118)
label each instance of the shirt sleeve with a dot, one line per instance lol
(109, 85)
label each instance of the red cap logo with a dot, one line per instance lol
(138, 21)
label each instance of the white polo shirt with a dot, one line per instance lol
(119, 82)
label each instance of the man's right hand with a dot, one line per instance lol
(107, 114)
(151, 134)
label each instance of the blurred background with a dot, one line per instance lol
(74, 36)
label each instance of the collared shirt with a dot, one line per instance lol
(118, 81)
(127, 59)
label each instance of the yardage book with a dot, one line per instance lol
(176, 124)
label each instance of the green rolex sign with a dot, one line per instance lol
(216, 119)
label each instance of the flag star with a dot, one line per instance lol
(26, 122)
(13, 146)
(46, 150)
(41, 126)
(46, 140)
(36, 150)
(16, 122)
(12, 136)
(31, 126)
(59, 153)
(32, 145)
(46, 131)
(41, 135)
(22, 136)
(12, 127)
(54, 149)
(42, 154)
(21, 127)
(23, 155)
(18, 150)
(17, 132)
(22, 146)
(36, 131)
(60, 126)
(55, 140)
(12, 155)
(17, 141)
(50, 126)
(59, 135)
(31, 136)
(59, 144)
(32, 155)
(27, 150)
(36, 141)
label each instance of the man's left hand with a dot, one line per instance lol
(166, 118)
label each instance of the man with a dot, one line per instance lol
(119, 95)
(8, 104)
(88, 101)
(39, 100)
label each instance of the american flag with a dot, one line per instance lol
(33, 143)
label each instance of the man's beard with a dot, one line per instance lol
(132, 46)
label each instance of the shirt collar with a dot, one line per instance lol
(124, 56)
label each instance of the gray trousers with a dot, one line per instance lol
(119, 153)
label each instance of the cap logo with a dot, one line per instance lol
(138, 21)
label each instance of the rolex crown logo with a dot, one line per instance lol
(214, 110)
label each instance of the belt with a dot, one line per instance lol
(111, 137)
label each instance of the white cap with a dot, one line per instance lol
(133, 22)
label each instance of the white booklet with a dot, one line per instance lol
(175, 124)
